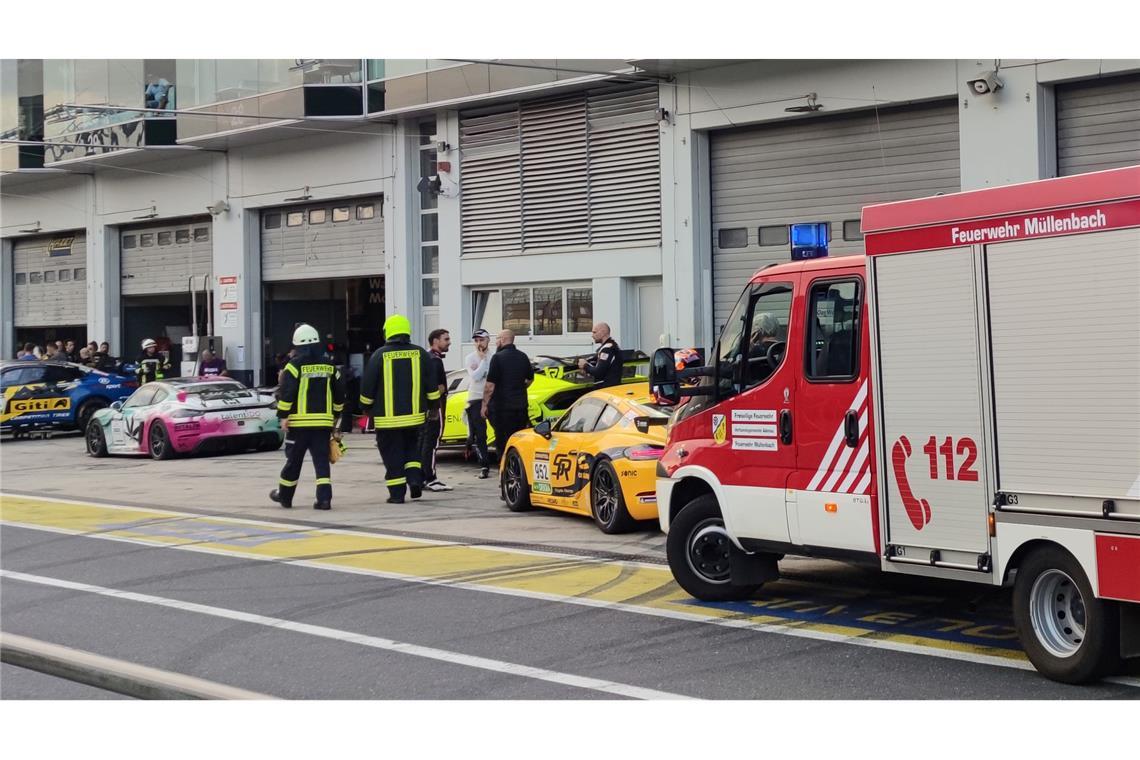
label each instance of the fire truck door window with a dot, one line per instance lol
(767, 336)
(833, 335)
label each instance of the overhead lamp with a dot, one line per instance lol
(37, 228)
(810, 107)
(303, 197)
(153, 213)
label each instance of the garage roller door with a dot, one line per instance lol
(342, 238)
(50, 280)
(1097, 125)
(161, 258)
(819, 170)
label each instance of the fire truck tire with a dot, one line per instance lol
(698, 549)
(516, 490)
(1069, 635)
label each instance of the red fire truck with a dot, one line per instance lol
(963, 402)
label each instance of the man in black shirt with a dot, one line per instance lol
(605, 367)
(438, 343)
(504, 395)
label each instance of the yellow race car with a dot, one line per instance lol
(598, 459)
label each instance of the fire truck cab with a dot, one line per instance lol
(962, 402)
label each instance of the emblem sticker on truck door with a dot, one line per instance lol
(719, 428)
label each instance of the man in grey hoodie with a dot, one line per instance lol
(477, 364)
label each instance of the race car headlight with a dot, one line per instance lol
(181, 413)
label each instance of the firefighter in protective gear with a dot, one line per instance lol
(152, 365)
(310, 397)
(396, 392)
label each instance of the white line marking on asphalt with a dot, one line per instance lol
(375, 642)
(782, 630)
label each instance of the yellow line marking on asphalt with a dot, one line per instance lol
(551, 576)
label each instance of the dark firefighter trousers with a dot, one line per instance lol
(400, 452)
(315, 441)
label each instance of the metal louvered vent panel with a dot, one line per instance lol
(569, 171)
(1097, 125)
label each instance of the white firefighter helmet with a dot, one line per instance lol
(148, 343)
(306, 335)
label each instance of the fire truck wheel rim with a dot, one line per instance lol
(1057, 611)
(709, 551)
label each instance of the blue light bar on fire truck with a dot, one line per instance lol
(809, 240)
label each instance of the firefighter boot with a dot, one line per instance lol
(277, 496)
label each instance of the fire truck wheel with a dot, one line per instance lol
(1068, 634)
(698, 549)
(516, 491)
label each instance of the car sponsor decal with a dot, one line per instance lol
(247, 414)
(39, 405)
(719, 428)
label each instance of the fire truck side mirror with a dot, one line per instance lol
(663, 375)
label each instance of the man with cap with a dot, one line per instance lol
(311, 394)
(396, 391)
(477, 364)
(152, 364)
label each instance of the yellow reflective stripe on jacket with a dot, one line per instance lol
(291, 369)
(365, 401)
(433, 395)
(311, 420)
(338, 407)
(403, 420)
(284, 406)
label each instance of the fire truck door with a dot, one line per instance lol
(829, 494)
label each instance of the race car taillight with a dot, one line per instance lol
(644, 453)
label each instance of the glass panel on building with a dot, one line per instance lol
(65, 275)
(580, 308)
(273, 221)
(165, 238)
(201, 234)
(81, 273)
(853, 229)
(129, 241)
(736, 237)
(774, 235)
(429, 228)
(548, 311)
(49, 276)
(516, 310)
(365, 211)
(431, 291)
(182, 236)
(430, 259)
(146, 240)
(317, 216)
(35, 278)
(295, 219)
(341, 214)
(21, 278)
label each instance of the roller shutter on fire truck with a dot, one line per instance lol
(50, 280)
(1097, 125)
(822, 169)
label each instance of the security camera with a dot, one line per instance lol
(431, 184)
(986, 83)
(218, 207)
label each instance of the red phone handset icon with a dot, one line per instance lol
(918, 510)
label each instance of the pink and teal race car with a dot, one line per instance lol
(186, 416)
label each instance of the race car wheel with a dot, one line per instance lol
(607, 504)
(87, 410)
(516, 490)
(96, 441)
(1068, 634)
(698, 549)
(159, 442)
(271, 444)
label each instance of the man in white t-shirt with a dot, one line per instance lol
(477, 364)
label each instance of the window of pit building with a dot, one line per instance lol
(273, 221)
(540, 310)
(579, 310)
(853, 229)
(35, 278)
(736, 237)
(341, 214)
(201, 234)
(365, 211)
(129, 241)
(147, 240)
(65, 275)
(776, 234)
(49, 276)
(548, 311)
(21, 278)
(516, 310)
(81, 273)
(317, 216)
(182, 236)
(165, 238)
(295, 219)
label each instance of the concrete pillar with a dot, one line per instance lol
(104, 287)
(7, 296)
(237, 290)
(1009, 135)
(451, 313)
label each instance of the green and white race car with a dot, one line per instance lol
(558, 383)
